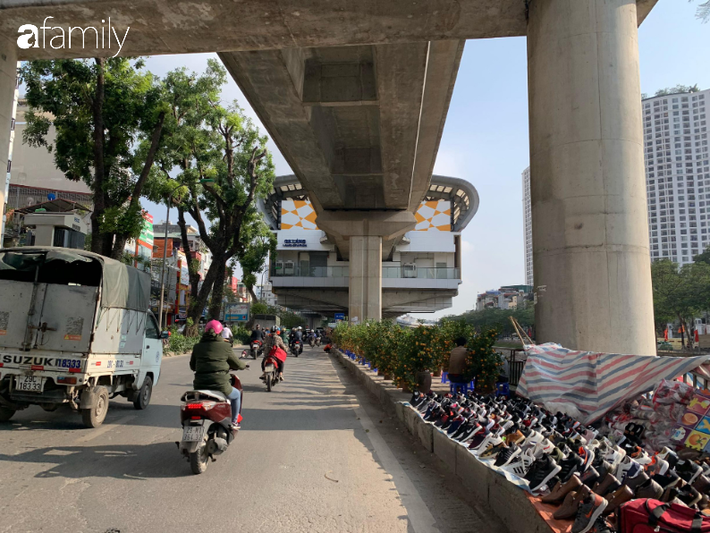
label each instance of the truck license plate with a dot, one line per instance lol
(29, 383)
(192, 434)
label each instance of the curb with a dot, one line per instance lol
(508, 502)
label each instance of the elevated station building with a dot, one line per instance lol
(420, 271)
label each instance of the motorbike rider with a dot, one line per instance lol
(227, 334)
(211, 361)
(257, 334)
(274, 341)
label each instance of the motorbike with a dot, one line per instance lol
(271, 372)
(317, 341)
(206, 425)
(311, 341)
(297, 348)
(256, 348)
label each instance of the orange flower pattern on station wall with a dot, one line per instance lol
(434, 215)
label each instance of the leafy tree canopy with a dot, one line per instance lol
(108, 115)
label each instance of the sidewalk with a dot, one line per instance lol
(512, 505)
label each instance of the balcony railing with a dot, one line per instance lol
(312, 272)
(420, 272)
(389, 272)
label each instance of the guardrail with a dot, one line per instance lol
(388, 272)
(312, 272)
(420, 272)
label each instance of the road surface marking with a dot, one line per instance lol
(418, 513)
(103, 429)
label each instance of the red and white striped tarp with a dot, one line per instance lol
(595, 383)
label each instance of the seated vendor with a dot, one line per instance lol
(458, 361)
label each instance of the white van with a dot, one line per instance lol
(74, 328)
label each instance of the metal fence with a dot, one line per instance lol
(515, 359)
(420, 272)
(389, 272)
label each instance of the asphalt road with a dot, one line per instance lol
(315, 455)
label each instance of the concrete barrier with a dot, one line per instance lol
(508, 502)
(444, 447)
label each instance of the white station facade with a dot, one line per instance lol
(421, 270)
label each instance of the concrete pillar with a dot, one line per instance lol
(365, 297)
(8, 80)
(364, 232)
(590, 232)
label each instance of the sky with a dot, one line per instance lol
(485, 138)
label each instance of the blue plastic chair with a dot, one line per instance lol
(503, 389)
(444, 377)
(462, 387)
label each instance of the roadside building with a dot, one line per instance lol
(508, 297)
(677, 165)
(34, 175)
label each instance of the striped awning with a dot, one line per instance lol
(594, 383)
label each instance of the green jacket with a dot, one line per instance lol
(211, 360)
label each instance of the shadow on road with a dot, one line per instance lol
(139, 462)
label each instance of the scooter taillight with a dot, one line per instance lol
(200, 406)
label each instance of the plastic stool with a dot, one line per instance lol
(444, 377)
(502, 389)
(462, 387)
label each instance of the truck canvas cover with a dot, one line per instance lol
(48, 297)
(122, 286)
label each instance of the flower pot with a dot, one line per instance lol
(388, 376)
(423, 381)
(437, 374)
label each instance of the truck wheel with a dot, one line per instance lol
(95, 416)
(6, 414)
(142, 396)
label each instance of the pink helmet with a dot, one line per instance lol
(215, 326)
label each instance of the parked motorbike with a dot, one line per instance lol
(256, 348)
(297, 348)
(271, 372)
(206, 426)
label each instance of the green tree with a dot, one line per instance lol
(259, 308)
(289, 319)
(703, 12)
(108, 116)
(703, 257)
(498, 319)
(224, 165)
(191, 98)
(257, 243)
(679, 294)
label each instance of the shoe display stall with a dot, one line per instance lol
(598, 443)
